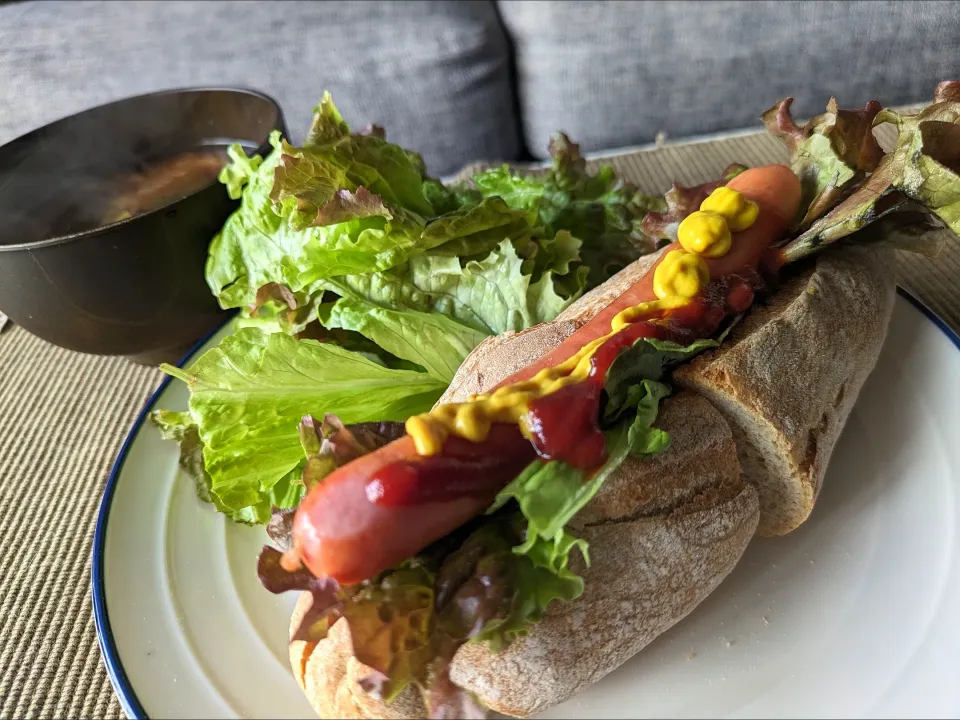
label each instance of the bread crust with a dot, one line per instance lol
(329, 675)
(500, 356)
(788, 376)
(680, 519)
(663, 532)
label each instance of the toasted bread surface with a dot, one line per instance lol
(789, 374)
(663, 532)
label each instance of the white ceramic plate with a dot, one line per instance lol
(853, 615)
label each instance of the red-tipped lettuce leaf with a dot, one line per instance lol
(919, 175)
(330, 444)
(345, 206)
(374, 130)
(831, 153)
(326, 597)
(328, 124)
(280, 527)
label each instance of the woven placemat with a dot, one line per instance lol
(63, 418)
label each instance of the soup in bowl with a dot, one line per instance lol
(107, 216)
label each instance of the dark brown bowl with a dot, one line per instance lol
(135, 287)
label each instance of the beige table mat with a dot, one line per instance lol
(63, 418)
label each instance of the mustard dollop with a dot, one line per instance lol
(680, 274)
(705, 233)
(739, 212)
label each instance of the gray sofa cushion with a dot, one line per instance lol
(435, 74)
(615, 73)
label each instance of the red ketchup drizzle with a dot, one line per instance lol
(463, 469)
(564, 424)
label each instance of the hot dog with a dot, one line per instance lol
(338, 523)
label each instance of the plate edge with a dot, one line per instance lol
(952, 335)
(101, 620)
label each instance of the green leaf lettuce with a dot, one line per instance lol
(383, 279)
(249, 394)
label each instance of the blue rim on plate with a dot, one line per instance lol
(101, 620)
(111, 656)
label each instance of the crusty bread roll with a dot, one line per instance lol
(679, 520)
(788, 376)
(665, 530)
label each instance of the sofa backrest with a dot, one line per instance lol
(464, 80)
(615, 73)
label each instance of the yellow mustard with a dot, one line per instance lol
(739, 212)
(680, 274)
(628, 317)
(708, 231)
(705, 233)
(678, 278)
